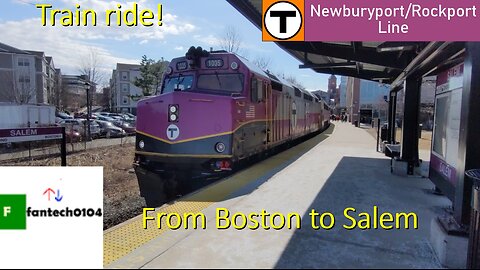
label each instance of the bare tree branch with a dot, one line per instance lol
(7, 93)
(90, 66)
(231, 41)
(263, 62)
(55, 93)
(291, 79)
(21, 92)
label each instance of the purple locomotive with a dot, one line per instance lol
(215, 110)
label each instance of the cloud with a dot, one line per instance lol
(67, 45)
(179, 48)
(209, 40)
(171, 26)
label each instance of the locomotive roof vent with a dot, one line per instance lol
(193, 56)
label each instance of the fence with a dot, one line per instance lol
(36, 136)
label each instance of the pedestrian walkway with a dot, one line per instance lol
(342, 171)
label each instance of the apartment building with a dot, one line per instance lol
(124, 93)
(74, 92)
(27, 76)
(18, 76)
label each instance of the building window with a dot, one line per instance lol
(124, 75)
(24, 79)
(125, 88)
(125, 101)
(23, 62)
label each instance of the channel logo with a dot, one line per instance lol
(283, 20)
(51, 214)
(12, 212)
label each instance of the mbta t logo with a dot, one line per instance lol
(283, 20)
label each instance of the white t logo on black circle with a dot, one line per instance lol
(283, 20)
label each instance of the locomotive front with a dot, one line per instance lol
(187, 130)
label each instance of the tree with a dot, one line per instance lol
(291, 79)
(64, 96)
(22, 92)
(381, 105)
(157, 70)
(231, 40)
(55, 92)
(151, 75)
(90, 66)
(262, 62)
(72, 97)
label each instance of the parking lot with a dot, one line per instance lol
(105, 129)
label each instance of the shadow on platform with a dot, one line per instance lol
(363, 183)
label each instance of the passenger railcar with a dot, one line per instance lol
(214, 110)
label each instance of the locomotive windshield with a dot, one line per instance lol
(229, 83)
(179, 83)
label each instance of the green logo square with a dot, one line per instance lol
(13, 214)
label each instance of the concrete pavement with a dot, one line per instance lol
(340, 172)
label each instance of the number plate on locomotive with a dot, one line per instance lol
(214, 63)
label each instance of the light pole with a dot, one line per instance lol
(87, 88)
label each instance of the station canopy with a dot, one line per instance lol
(385, 62)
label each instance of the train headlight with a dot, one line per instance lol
(220, 147)
(173, 111)
(234, 65)
(141, 144)
(169, 70)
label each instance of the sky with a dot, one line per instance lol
(185, 23)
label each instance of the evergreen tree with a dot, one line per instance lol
(151, 74)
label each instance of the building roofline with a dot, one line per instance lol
(10, 49)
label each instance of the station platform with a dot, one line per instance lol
(330, 172)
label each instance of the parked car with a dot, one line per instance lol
(94, 129)
(128, 127)
(63, 115)
(109, 130)
(131, 116)
(72, 135)
(75, 124)
(105, 118)
(84, 116)
(79, 126)
(107, 114)
(117, 118)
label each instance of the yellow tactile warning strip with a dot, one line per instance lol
(123, 239)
